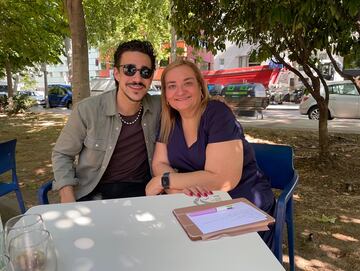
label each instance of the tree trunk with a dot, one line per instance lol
(16, 84)
(173, 45)
(46, 89)
(9, 79)
(80, 58)
(68, 58)
(323, 131)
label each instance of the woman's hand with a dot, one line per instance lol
(197, 191)
(154, 187)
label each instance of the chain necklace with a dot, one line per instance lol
(135, 120)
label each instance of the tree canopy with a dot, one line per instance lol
(111, 21)
(289, 31)
(31, 32)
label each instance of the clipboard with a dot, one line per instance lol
(194, 232)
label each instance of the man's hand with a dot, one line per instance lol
(154, 187)
(67, 194)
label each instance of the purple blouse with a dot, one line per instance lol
(218, 124)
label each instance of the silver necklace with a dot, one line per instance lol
(135, 120)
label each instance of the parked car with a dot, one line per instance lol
(344, 102)
(3, 90)
(215, 89)
(234, 91)
(246, 99)
(60, 95)
(35, 95)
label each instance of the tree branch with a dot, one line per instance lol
(354, 79)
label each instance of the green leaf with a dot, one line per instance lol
(327, 219)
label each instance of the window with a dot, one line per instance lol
(349, 89)
(57, 91)
(240, 64)
(343, 89)
(222, 61)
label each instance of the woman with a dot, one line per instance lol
(201, 147)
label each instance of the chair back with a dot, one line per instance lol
(7, 156)
(276, 161)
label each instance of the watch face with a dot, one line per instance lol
(165, 181)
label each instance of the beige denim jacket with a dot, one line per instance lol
(86, 143)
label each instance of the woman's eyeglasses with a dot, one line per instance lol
(130, 70)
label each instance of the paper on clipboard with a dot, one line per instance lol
(238, 215)
(225, 218)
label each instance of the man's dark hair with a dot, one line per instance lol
(144, 47)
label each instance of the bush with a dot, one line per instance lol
(16, 104)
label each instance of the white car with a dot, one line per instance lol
(35, 95)
(344, 102)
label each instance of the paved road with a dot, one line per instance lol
(285, 116)
(288, 117)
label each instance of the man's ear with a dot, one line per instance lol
(116, 74)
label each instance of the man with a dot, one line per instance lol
(106, 147)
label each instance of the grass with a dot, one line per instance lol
(327, 199)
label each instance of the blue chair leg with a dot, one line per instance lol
(290, 230)
(20, 201)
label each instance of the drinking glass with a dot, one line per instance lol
(20, 224)
(5, 264)
(33, 251)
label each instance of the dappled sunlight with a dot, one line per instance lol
(51, 215)
(47, 123)
(331, 252)
(84, 243)
(64, 223)
(40, 171)
(37, 130)
(144, 217)
(344, 237)
(257, 140)
(83, 221)
(314, 265)
(347, 219)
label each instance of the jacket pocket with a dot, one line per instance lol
(95, 144)
(92, 155)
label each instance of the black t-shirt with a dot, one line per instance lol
(129, 162)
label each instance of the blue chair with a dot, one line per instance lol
(276, 162)
(43, 191)
(7, 163)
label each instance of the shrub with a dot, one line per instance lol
(16, 104)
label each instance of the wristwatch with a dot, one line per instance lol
(165, 180)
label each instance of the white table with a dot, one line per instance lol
(143, 234)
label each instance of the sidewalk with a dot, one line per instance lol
(284, 106)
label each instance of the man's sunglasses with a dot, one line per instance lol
(130, 70)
